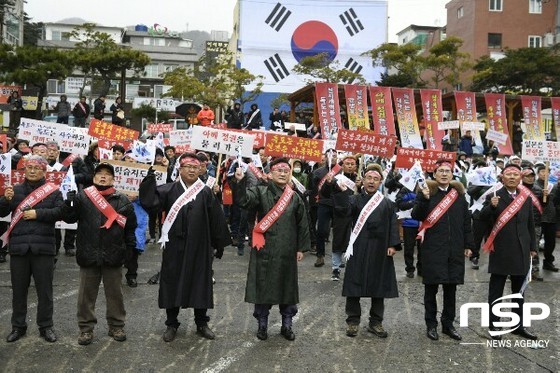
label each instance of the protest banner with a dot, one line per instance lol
(433, 114)
(382, 111)
(69, 139)
(159, 127)
(448, 125)
(6, 91)
(555, 103)
(74, 140)
(128, 176)
(427, 158)
(5, 171)
(406, 118)
(55, 177)
(483, 176)
(222, 141)
(531, 106)
(366, 143)
(473, 126)
(107, 131)
(328, 108)
(293, 147)
(411, 176)
(356, 107)
(497, 137)
(466, 113)
(497, 118)
(540, 151)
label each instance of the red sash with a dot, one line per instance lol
(106, 209)
(506, 216)
(256, 171)
(68, 161)
(82, 107)
(436, 214)
(271, 217)
(534, 199)
(28, 203)
(331, 173)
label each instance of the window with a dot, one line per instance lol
(160, 42)
(460, 12)
(535, 6)
(168, 68)
(535, 41)
(131, 91)
(55, 86)
(495, 41)
(59, 35)
(495, 5)
(152, 71)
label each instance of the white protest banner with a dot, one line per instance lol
(448, 125)
(483, 176)
(297, 126)
(128, 176)
(497, 136)
(165, 104)
(40, 131)
(411, 176)
(472, 126)
(74, 140)
(181, 140)
(345, 181)
(221, 141)
(328, 144)
(540, 151)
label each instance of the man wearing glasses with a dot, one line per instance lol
(446, 239)
(35, 206)
(194, 227)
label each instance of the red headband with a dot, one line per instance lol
(280, 166)
(375, 172)
(528, 171)
(189, 160)
(511, 169)
(37, 162)
(444, 164)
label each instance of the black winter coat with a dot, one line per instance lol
(35, 235)
(98, 246)
(443, 249)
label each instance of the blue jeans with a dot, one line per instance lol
(324, 219)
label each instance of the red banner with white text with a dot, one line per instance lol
(406, 117)
(433, 113)
(328, 108)
(497, 119)
(531, 106)
(366, 142)
(356, 107)
(382, 111)
(466, 112)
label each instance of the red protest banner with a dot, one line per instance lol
(407, 156)
(4, 141)
(531, 106)
(366, 143)
(382, 111)
(293, 147)
(56, 177)
(406, 117)
(555, 102)
(159, 127)
(108, 144)
(328, 108)
(6, 91)
(356, 107)
(497, 119)
(432, 111)
(466, 106)
(108, 131)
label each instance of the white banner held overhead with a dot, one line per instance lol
(473, 126)
(541, 151)
(221, 141)
(128, 176)
(497, 137)
(448, 125)
(70, 139)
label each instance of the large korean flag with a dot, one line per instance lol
(276, 35)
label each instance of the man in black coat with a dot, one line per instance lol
(106, 225)
(447, 239)
(235, 117)
(32, 245)
(195, 226)
(512, 246)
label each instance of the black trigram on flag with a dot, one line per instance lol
(278, 17)
(351, 21)
(276, 68)
(354, 67)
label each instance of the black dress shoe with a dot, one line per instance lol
(549, 267)
(169, 334)
(287, 332)
(450, 331)
(262, 333)
(131, 282)
(205, 332)
(48, 335)
(521, 331)
(15, 335)
(432, 334)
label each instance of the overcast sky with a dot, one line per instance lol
(207, 15)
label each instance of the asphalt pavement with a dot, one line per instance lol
(321, 344)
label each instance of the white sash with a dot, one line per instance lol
(250, 121)
(188, 195)
(362, 218)
(299, 186)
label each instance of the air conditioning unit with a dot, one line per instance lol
(548, 39)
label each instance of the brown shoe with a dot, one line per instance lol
(118, 334)
(352, 330)
(320, 261)
(85, 338)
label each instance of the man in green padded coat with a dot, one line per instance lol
(280, 237)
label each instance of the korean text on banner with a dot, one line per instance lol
(531, 106)
(128, 176)
(541, 151)
(221, 141)
(427, 158)
(6, 91)
(107, 131)
(293, 147)
(406, 117)
(382, 111)
(356, 107)
(433, 114)
(69, 139)
(466, 112)
(159, 127)
(328, 108)
(555, 102)
(366, 143)
(497, 118)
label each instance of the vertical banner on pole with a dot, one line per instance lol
(328, 108)
(555, 102)
(406, 117)
(356, 107)
(382, 111)
(531, 106)
(497, 120)
(466, 112)
(432, 111)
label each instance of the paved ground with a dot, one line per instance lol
(320, 346)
